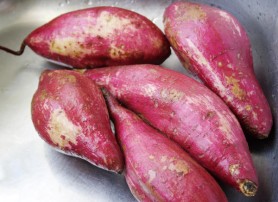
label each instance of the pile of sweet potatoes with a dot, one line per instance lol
(171, 132)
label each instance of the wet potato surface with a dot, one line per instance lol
(31, 171)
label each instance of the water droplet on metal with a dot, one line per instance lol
(62, 4)
(89, 3)
(154, 20)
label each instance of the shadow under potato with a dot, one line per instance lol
(86, 179)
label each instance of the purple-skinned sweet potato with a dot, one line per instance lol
(214, 45)
(70, 114)
(157, 169)
(99, 36)
(188, 113)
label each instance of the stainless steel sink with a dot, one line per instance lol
(31, 171)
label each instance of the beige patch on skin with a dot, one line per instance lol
(236, 90)
(149, 89)
(180, 167)
(248, 107)
(234, 169)
(191, 12)
(171, 95)
(219, 64)
(151, 157)
(117, 52)
(163, 158)
(67, 79)
(43, 95)
(255, 116)
(69, 46)
(152, 175)
(61, 130)
(36, 40)
(108, 23)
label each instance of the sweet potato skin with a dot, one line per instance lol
(70, 114)
(214, 45)
(100, 36)
(188, 113)
(157, 169)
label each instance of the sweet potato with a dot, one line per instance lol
(157, 169)
(189, 113)
(99, 36)
(70, 114)
(214, 45)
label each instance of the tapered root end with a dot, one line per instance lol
(248, 188)
(19, 52)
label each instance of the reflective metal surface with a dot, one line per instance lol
(31, 171)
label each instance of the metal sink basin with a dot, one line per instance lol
(31, 171)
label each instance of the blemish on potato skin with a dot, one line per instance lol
(193, 12)
(61, 130)
(43, 95)
(209, 115)
(180, 167)
(163, 158)
(68, 46)
(171, 95)
(220, 64)
(235, 87)
(248, 107)
(117, 52)
(234, 169)
(151, 157)
(67, 79)
(152, 175)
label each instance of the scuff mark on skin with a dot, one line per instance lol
(67, 79)
(117, 52)
(106, 24)
(163, 158)
(193, 12)
(171, 95)
(113, 23)
(43, 95)
(152, 175)
(69, 46)
(180, 167)
(151, 157)
(248, 107)
(61, 130)
(150, 89)
(234, 169)
(236, 90)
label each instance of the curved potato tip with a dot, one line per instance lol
(248, 188)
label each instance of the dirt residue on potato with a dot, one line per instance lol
(61, 130)
(107, 24)
(69, 46)
(171, 95)
(179, 166)
(117, 52)
(235, 87)
(43, 95)
(67, 79)
(234, 169)
(191, 12)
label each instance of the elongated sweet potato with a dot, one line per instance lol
(189, 113)
(70, 114)
(99, 36)
(157, 169)
(213, 44)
